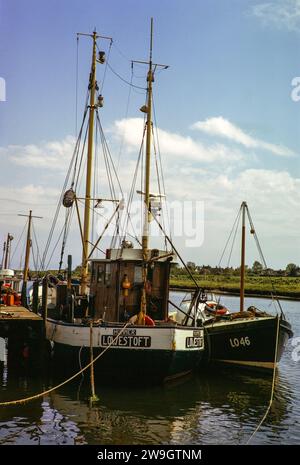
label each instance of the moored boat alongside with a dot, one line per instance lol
(249, 338)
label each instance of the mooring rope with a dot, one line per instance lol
(273, 385)
(41, 394)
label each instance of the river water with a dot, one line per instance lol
(222, 407)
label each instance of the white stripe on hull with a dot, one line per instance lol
(134, 337)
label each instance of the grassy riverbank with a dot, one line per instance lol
(258, 285)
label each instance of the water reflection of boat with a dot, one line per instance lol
(19, 424)
(191, 411)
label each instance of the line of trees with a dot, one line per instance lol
(257, 269)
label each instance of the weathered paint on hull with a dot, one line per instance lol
(127, 366)
(140, 354)
(249, 344)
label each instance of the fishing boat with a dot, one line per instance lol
(248, 338)
(121, 311)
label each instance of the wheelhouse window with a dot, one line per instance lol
(138, 275)
(107, 274)
(93, 277)
(100, 274)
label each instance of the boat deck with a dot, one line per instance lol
(14, 312)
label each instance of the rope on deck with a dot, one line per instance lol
(273, 385)
(41, 394)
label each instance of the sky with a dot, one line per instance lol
(227, 111)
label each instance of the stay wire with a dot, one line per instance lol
(158, 177)
(70, 211)
(274, 291)
(120, 52)
(106, 63)
(126, 116)
(78, 171)
(36, 243)
(161, 168)
(235, 224)
(233, 240)
(49, 239)
(128, 216)
(124, 80)
(176, 251)
(18, 243)
(109, 156)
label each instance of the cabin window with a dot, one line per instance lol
(100, 274)
(107, 274)
(93, 277)
(138, 275)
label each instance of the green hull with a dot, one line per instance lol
(127, 366)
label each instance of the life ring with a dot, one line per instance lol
(149, 321)
(217, 309)
(221, 311)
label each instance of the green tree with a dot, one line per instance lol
(191, 266)
(257, 267)
(292, 269)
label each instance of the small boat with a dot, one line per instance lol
(248, 338)
(9, 283)
(121, 312)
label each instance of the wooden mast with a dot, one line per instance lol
(4, 248)
(28, 245)
(86, 225)
(243, 253)
(27, 257)
(150, 79)
(6, 259)
(147, 214)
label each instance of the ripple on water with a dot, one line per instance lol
(222, 407)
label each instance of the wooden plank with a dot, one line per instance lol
(10, 313)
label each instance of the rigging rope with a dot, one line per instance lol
(73, 159)
(273, 292)
(234, 238)
(106, 63)
(177, 253)
(158, 181)
(36, 243)
(126, 116)
(18, 243)
(273, 384)
(131, 193)
(161, 168)
(41, 394)
(124, 80)
(236, 222)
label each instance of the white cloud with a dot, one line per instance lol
(219, 126)
(280, 13)
(53, 155)
(193, 171)
(175, 145)
(29, 195)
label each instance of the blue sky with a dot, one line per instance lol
(225, 101)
